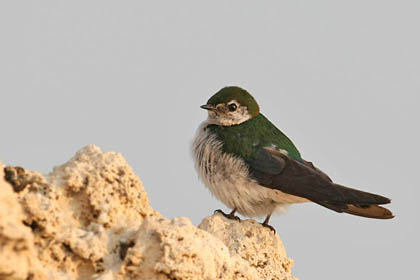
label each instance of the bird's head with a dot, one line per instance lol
(231, 106)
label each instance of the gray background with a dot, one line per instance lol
(340, 78)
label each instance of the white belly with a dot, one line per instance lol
(228, 179)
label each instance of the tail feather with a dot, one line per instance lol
(358, 203)
(372, 211)
(368, 211)
(357, 197)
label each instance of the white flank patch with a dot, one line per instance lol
(227, 178)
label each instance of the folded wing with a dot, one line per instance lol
(275, 170)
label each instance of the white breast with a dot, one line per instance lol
(228, 179)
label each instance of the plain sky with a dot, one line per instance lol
(341, 78)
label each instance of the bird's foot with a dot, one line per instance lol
(230, 216)
(265, 223)
(268, 226)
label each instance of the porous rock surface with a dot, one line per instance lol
(90, 218)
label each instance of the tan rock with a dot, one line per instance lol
(176, 250)
(90, 218)
(256, 249)
(16, 240)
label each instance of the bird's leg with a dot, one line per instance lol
(230, 216)
(265, 223)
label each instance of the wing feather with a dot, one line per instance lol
(274, 169)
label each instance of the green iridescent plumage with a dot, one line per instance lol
(227, 94)
(245, 139)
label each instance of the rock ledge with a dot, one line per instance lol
(90, 218)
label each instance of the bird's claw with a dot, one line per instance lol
(230, 216)
(268, 226)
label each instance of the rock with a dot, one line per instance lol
(176, 249)
(17, 253)
(255, 248)
(90, 218)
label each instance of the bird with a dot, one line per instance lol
(255, 169)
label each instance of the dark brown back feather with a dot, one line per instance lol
(303, 179)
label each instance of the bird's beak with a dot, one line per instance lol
(208, 107)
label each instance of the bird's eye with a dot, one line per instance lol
(232, 107)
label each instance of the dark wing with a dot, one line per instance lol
(276, 170)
